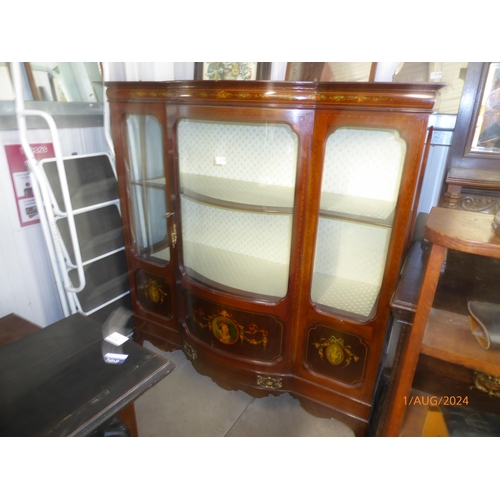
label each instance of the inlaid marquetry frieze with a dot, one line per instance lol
(311, 94)
(266, 96)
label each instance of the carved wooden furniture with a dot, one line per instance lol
(265, 223)
(440, 341)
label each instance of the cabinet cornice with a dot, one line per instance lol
(418, 97)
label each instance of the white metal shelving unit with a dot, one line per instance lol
(77, 200)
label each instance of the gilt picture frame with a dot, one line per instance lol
(485, 129)
(218, 71)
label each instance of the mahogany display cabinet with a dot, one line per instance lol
(265, 225)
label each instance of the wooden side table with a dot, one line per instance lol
(14, 327)
(438, 332)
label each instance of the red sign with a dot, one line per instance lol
(21, 182)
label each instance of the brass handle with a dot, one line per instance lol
(173, 235)
(189, 351)
(487, 383)
(269, 382)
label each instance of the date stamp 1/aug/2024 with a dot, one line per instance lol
(436, 400)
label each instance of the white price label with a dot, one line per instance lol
(116, 339)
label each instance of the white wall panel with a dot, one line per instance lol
(433, 178)
(146, 71)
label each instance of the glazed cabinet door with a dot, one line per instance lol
(362, 169)
(238, 176)
(145, 183)
(364, 177)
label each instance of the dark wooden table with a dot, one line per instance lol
(54, 382)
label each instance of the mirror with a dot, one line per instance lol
(65, 81)
(486, 138)
(6, 87)
(331, 71)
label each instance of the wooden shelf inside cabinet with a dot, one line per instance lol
(440, 327)
(217, 266)
(348, 297)
(159, 182)
(357, 209)
(237, 194)
(160, 253)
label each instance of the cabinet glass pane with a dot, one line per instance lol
(360, 185)
(147, 187)
(237, 185)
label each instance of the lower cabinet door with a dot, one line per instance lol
(235, 332)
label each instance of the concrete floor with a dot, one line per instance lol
(187, 404)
